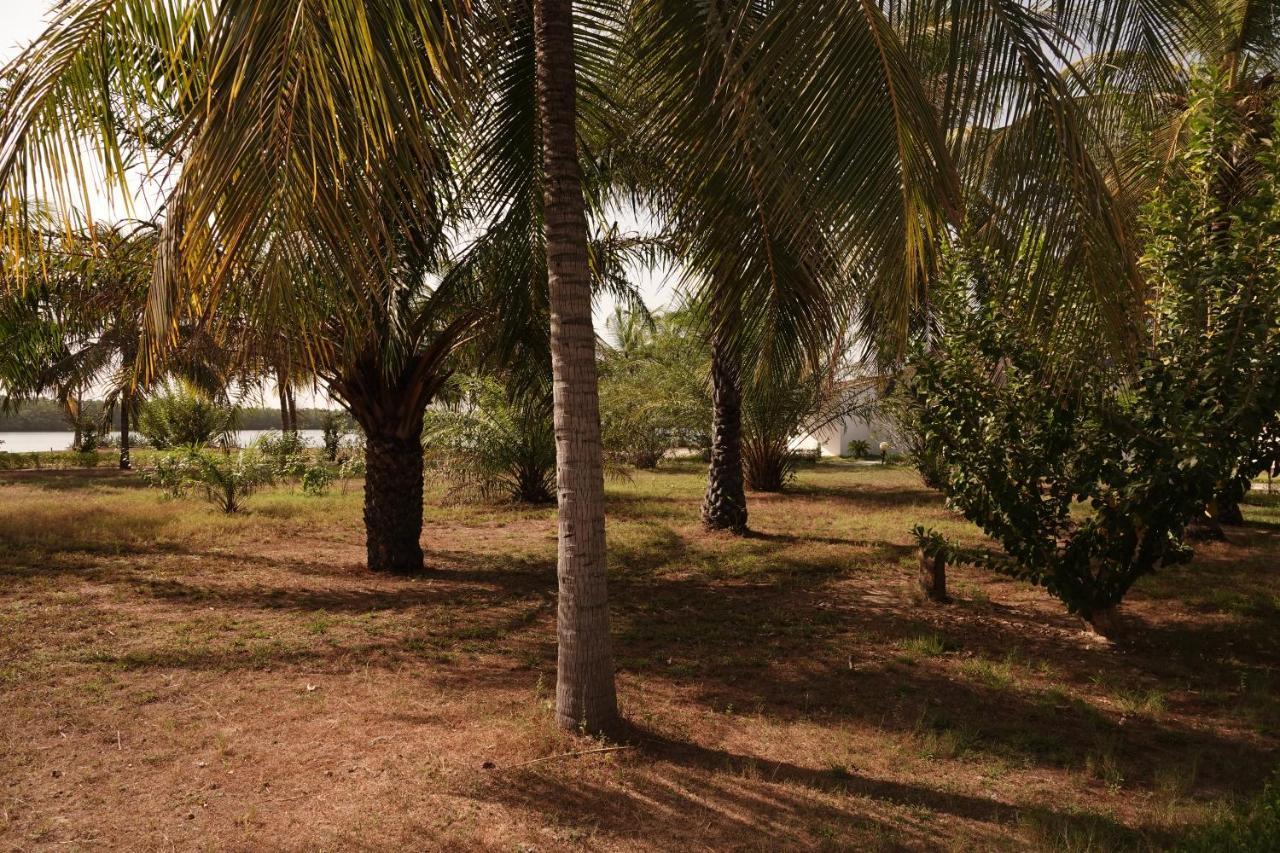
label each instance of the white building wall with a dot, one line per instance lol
(835, 439)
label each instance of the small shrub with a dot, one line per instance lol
(858, 449)
(171, 474)
(317, 480)
(228, 480)
(285, 452)
(335, 426)
(224, 480)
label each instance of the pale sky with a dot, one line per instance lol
(23, 20)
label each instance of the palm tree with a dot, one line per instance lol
(585, 693)
(91, 287)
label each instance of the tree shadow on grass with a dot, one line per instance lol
(671, 788)
(73, 479)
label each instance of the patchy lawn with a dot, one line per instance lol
(171, 678)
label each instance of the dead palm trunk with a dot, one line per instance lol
(585, 693)
(725, 505)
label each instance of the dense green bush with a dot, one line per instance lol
(335, 426)
(1088, 477)
(285, 452)
(180, 416)
(1088, 474)
(653, 392)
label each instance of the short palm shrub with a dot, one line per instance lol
(228, 480)
(180, 416)
(225, 480)
(285, 452)
(777, 409)
(494, 444)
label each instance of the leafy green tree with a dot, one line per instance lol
(1022, 436)
(653, 394)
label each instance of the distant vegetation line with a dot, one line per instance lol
(48, 416)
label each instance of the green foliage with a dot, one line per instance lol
(317, 479)
(335, 426)
(171, 474)
(1256, 826)
(653, 392)
(225, 480)
(494, 444)
(859, 448)
(776, 409)
(90, 438)
(1089, 476)
(180, 416)
(285, 452)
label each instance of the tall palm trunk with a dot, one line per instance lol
(393, 503)
(283, 389)
(126, 403)
(585, 693)
(293, 410)
(725, 505)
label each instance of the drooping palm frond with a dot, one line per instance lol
(307, 130)
(1041, 180)
(794, 155)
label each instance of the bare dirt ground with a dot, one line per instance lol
(171, 678)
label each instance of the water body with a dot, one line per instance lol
(32, 442)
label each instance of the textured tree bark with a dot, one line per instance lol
(1226, 506)
(1105, 622)
(585, 692)
(933, 576)
(725, 505)
(126, 402)
(393, 504)
(293, 410)
(284, 401)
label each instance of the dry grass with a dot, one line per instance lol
(175, 679)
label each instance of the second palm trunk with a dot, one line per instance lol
(725, 504)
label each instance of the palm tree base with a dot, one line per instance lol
(393, 505)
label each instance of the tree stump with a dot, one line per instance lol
(933, 575)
